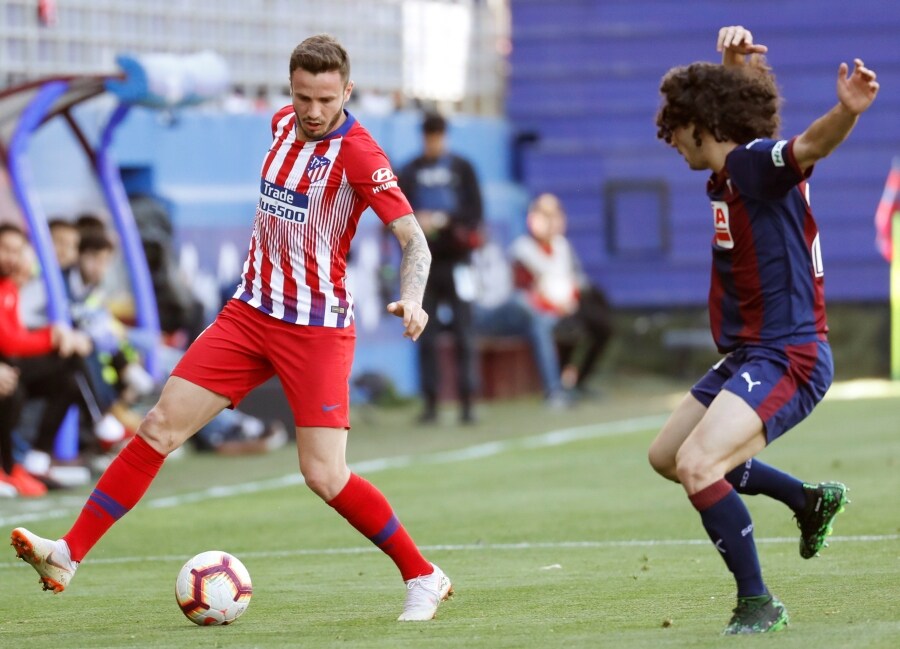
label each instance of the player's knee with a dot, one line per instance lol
(691, 468)
(157, 431)
(325, 481)
(662, 461)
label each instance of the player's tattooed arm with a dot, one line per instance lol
(414, 266)
(416, 259)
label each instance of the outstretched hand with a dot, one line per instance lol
(414, 317)
(735, 42)
(857, 91)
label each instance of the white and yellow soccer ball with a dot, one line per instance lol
(213, 588)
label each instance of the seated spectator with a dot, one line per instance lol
(65, 236)
(48, 362)
(115, 368)
(32, 292)
(582, 338)
(117, 376)
(559, 301)
(14, 480)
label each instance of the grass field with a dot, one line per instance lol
(552, 526)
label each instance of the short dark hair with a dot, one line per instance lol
(88, 223)
(94, 242)
(6, 227)
(60, 222)
(321, 53)
(434, 123)
(736, 103)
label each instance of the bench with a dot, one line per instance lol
(506, 367)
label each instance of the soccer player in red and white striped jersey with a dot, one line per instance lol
(291, 316)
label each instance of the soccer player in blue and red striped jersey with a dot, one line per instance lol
(291, 316)
(766, 304)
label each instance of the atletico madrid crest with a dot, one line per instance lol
(317, 168)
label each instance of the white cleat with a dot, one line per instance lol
(424, 595)
(51, 559)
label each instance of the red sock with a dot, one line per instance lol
(120, 488)
(366, 509)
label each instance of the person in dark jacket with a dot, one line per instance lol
(444, 192)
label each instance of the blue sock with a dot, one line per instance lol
(728, 524)
(755, 477)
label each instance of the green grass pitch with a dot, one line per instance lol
(552, 525)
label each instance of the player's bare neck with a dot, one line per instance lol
(717, 152)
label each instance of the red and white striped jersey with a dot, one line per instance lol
(311, 196)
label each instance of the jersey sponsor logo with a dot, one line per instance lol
(317, 168)
(384, 186)
(382, 175)
(282, 202)
(777, 155)
(723, 229)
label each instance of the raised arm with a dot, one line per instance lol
(414, 266)
(735, 43)
(856, 93)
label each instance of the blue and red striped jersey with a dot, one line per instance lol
(767, 275)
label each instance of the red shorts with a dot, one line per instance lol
(244, 348)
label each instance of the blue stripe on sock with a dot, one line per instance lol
(109, 505)
(386, 532)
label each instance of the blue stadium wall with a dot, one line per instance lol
(583, 93)
(205, 167)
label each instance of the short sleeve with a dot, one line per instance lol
(370, 174)
(765, 169)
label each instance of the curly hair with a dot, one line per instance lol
(733, 103)
(321, 53)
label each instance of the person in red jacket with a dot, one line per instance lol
(34, 363)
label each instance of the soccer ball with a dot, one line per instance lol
(213, 588)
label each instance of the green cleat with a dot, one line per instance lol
(824, 501)
(760, 614)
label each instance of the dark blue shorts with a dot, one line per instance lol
(781, 384)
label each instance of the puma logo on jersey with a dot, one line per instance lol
(722, 224)
(750, 381)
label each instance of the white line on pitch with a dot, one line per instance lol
(497, 547)
(543, 440)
